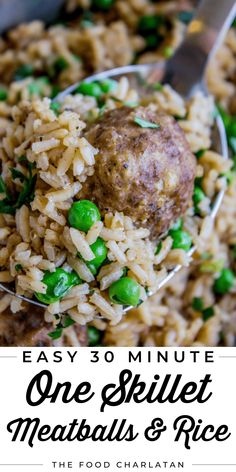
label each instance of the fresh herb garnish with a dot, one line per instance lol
(56, 334)
(158, 248)
(55, 106)
(25, 70)
(198, 305)
(200, 153)
(211, 266)
(10, 203)
(157, 86)
(207, 313)
(232, 143)
(234, 251)
(94, 336)
(130, 104)
(3, 94)
(144, 123)
(60, 64)
(2, 185)
(37, 87)
(230, 128)
(206, 256)
(168, 52)
(64, 322)
(55, 91)
(18, 267)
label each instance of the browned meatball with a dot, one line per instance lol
(146, 173)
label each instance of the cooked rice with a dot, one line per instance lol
(64, 159)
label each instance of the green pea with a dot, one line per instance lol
(26, 70)
(100, 251)
(58, 284)
(94, 336)
(108, 85)
(125, 291)
(83, 214)
(102, 4)
(3, 95)
(224, 282)
(149, 23)
(181, 239)
(200, 153)
(92, 89)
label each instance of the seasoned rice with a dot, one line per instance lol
(40, 239)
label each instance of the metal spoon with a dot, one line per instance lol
(185, 72)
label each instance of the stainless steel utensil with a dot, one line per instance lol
(14, 12)
(185, 72)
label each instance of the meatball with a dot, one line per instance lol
(30, 329)
(146, 173)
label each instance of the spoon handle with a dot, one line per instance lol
(185, 71)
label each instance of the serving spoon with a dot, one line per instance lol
(185, 72)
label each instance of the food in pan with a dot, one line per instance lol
(198, 306)
(98, 204)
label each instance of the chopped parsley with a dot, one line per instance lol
(55, 106)
(200, 153)
(64, 322)
(157, 86)
(234, 251)
(232, 143)
(211, 266)
(18, 267)
(144, 123)
(60, 64)
(168, 52)
(230, 128)
(94, 336)
(198, 305)
(158, 248)
(3, 94)
(207, 313)
(128, 103)
(2, 185)
(11, 203)
(37, 87)
(25, 70)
